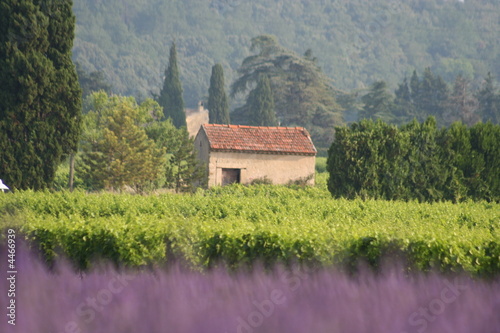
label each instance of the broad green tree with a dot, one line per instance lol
(40, 98)
(117, 151)
(303, 95)
(171, 94)
(261, 104)
(218, 106)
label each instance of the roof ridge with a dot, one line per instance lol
(261, 127)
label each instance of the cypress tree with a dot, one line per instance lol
(489, 101)
(404, 110)
(415, 95)
(426, 100)
(171, 95)
(462, 104)
(261, 104)
(218, 107)
(40, 98)
(433, 96)
(378, 102)
(185, 171)
(427, 173)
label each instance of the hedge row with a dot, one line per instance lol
(415, 161)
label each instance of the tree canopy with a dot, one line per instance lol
(416, 161)
(489, 100)
(261, 104)
(303, 95)
(185, 171)
(40, 97)
(170, 98)
(117, 151)
(357, 42)
(218, 105)
(377, 102)
(91, 82)
(432, 96)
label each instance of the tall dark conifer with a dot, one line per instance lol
(218, 106)
(462, 104)
(414, 86)
(40, 98)
(185, 171)
(404, 109)
(261, 104)
(171, 95)
(433, 97)
(378, 102)
(489, 101)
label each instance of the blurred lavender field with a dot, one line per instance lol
(179, 300)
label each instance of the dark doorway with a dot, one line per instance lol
(230, 176)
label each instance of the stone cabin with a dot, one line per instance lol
(242, 154)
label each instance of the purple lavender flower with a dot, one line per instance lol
(177, 299)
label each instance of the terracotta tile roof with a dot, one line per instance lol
(273, 140)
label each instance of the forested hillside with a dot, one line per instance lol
(356, 42)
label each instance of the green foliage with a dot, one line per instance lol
(429, 167)
(116, 149)
(218, 106)
(416, 161)
(489, 101)
(356, 42)
(366, 160)
(170, 98)
(260, 104)
(40, 98)
(91, 82)
(303, 95)
(377, 103)
(124, 145)
(185, 172)
(450, 68)
(462, 104)
(422, 98)
(431, 96)
(242, 225)
(61, 179)
(262, 181)
(404, 109)
(320, 164)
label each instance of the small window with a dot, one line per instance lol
(231, 176)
